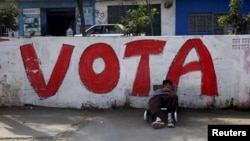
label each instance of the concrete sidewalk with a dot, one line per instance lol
(55, 124)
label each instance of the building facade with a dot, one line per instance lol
(199, 17)
(52, 17)
(176, 17)
(112, 11)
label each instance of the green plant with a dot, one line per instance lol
(239, 22)
(8, 15)
(137, 20)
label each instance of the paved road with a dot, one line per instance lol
(56, 124)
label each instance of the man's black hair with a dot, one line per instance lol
(167, 81)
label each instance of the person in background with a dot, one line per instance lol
(164, 97)
(69, 32)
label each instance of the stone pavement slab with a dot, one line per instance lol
(57, 124)
(37, 122)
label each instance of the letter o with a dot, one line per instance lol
(106, 80)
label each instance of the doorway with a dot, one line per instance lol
(59, 20)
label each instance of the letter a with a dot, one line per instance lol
(208, 80)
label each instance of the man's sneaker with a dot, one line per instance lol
(170, 123)
(158, 124)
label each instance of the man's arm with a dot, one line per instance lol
(159, 91)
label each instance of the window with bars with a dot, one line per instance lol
(204, 23)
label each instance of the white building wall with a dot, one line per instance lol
(167, 14)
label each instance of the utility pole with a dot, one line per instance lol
(80, 8)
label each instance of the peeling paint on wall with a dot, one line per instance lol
(99, 17)
(247, 61)
(9, 95)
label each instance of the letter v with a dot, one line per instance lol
(34, 72)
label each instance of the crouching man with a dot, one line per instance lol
(163, 98)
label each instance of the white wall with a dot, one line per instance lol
(167, 14)
(230, 57)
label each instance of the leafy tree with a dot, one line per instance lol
(80, 8)
(137, 20)
(239, 22)
(8, 14)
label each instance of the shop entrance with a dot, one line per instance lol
(59, 19)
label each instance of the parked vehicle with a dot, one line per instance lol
(105, 30)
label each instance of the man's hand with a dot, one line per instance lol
(166, 89)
